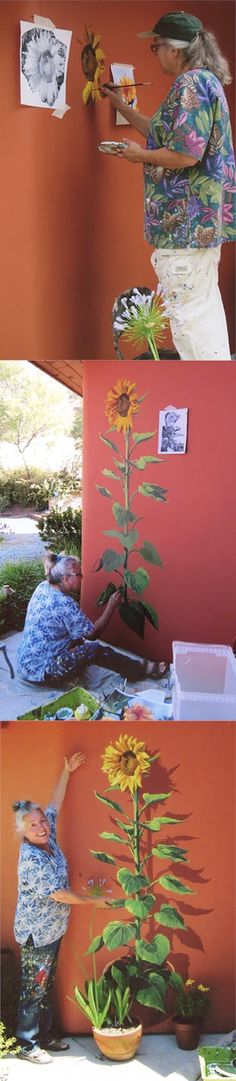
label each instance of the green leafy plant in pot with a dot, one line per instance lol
(146, 971)
(192, 1004)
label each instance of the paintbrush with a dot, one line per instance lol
(124, 86)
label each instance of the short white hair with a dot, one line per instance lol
(20, 812)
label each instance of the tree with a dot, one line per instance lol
(32, 404)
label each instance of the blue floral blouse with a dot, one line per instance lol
(192, 207)
(39, 875)
(53, 619)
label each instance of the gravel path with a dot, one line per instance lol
(21, 540)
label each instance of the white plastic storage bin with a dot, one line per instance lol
(204, 682)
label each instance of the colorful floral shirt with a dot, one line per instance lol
(39, 875)
(192, 207)
(53, 619)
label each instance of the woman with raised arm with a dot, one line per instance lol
(189, 181)
(42, 915)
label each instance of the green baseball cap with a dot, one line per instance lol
(178, 25)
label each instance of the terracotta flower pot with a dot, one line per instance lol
(118, 1044)
(187, 1033)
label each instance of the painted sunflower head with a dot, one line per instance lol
(121, 404)
(93, 63)
(124, 762)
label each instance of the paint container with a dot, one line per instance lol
(64, 714)
(109, 146)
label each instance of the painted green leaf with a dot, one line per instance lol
(103, 856)
(150, 553)
(120, 465)
(106, 593)
(169, 917)
(172, 852)
(104, 491)
(155, 951)
(131, 883)
(159, 822)
(108, 442)
(140, 906)
(112, 837)
(146, 459)
(122, 516)
(110, 803)
(96, 944)
(110, 473)
(139, 437)
(176, 981)
(173, 884)
(153, 491)
(111, 560)
(137, 580)
(150, 996)
(133, 616)
(127, 540)
(155, 797)
(117, 904)
(118, 934)
(154, 977)
(150, 613)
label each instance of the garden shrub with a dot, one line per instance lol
(23, 577)
(61, 530)
(36, 489)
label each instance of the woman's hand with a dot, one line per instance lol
(113, 602)
(100, 902)
(132, 151)
(73, 763)
(109, 90)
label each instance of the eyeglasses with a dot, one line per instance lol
(156, 45)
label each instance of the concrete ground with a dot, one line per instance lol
(158, 1055)
(20, 539)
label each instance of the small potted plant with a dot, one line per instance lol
(108, 1010)
(192, 1003)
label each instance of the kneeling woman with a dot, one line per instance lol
(58, 638)
(42, 916)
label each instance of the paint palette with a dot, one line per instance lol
(110, 146)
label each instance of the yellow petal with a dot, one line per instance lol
(87, 92)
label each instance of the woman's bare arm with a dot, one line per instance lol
(68, 897)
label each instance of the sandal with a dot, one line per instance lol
(56, 1044)
(35, 1054)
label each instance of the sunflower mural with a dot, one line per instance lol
(93, 64)
(143, 873)
(122, 406)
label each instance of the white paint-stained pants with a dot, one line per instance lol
(189, 279)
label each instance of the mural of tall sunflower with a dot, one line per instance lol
(125, 761)
(144, 865)
(122, 404)
(93, 64)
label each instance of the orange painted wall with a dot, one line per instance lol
(72, 220)
(32, 756)
(195, 531)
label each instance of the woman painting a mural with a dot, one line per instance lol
(189, 181)
(42, 916)
(58, 638)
